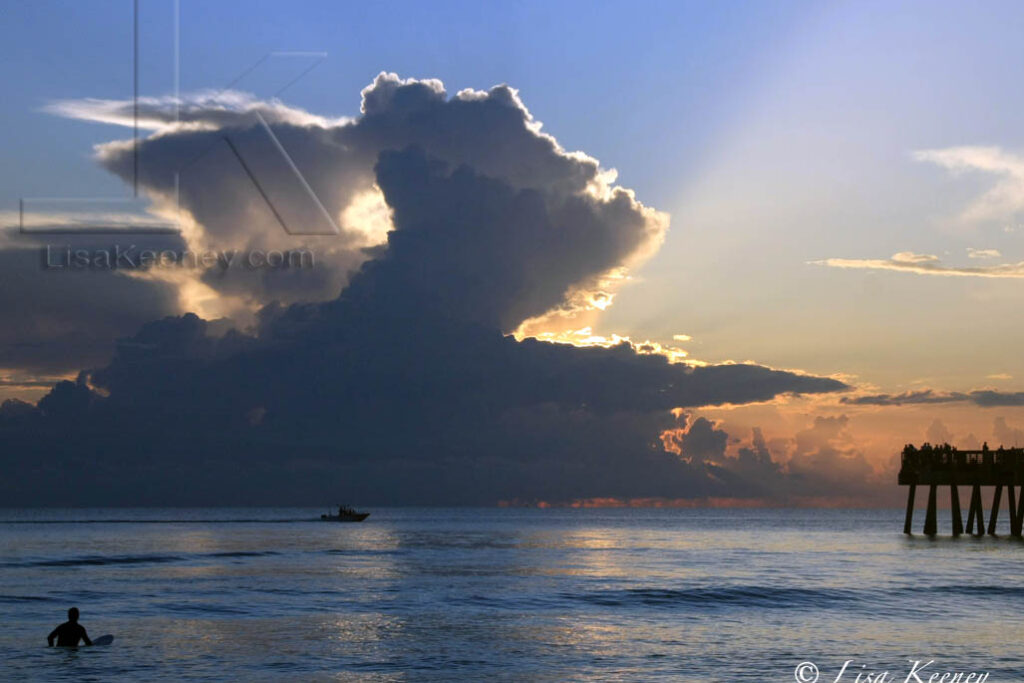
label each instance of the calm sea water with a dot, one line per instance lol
(511, 594)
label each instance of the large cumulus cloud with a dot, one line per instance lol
(213, 165)
(567, 226)
(405, 387)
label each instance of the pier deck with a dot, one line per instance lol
(935, 466)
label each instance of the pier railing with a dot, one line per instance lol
(944, 465)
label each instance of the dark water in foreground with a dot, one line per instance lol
(413, 594)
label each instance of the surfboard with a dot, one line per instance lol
(102, 640)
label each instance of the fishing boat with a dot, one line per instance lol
(345, 514)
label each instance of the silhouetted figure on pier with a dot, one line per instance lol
(70, 632)
(944, 465)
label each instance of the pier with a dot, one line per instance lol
(935, 466)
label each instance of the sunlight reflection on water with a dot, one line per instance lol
(508, 594)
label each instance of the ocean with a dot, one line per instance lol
(506, 594)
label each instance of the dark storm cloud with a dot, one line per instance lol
(60, 321)
(489, 252)
(405, 388)
(986, 398)
(379, 409)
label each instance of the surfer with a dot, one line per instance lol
(70, 632)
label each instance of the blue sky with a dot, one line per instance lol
(651, 84)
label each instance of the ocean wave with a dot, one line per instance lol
(103, 560)
(202, 608)
(779, 597)
(771, 597)
(17, 599)
(977, 590)
(93, 560)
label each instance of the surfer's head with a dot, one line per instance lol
(73, 614)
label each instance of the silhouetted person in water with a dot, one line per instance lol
(70, 632)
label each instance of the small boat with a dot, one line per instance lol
(345, 514)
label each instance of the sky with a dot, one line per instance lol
(833, 192)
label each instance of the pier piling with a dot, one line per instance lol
(1011, 505)
(979, 512)
(910, 509)
(930, 526)
(935, 466)
(972, 510)
(954, 507)
(994, 515)
(1020, 512)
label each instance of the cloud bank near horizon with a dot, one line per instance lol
(406, 387)
(984, 398)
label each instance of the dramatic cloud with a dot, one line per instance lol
(336, 400)
(261, 175)
(407, 386)
(237, 174)
(928, 264)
